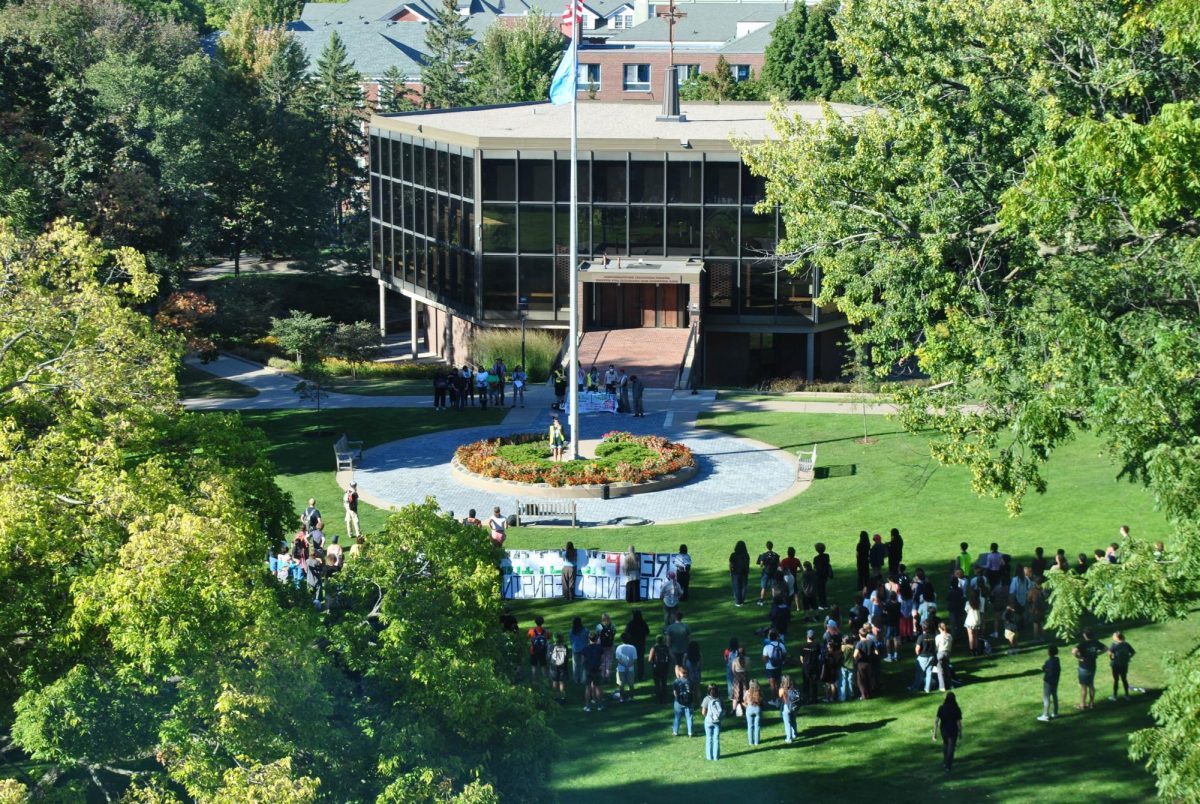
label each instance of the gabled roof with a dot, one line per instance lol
(371, 46)
(755, 43)
(705, 22)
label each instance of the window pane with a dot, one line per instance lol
(439, 205)
(469, 176)
(722, 284)
(562, 180)
(456, 174)
(536, 228)
(499, 179)
(499, 228)
(562, 230)
(646, 230)
(758, 285)
(443, 177)
(683, 182)
(410, 259)
(376, 198)
(608, 230)
(683, 231)
(720, 232)
(397, 163)
(758, 233)
(408, 158)
(795, 292)
(646, 182)
(537, 180)
(609, 176)
(536, 279)
(721, 182)
(419, 212)
(754, 188)
(431, 168)
(499, 287)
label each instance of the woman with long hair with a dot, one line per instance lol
(578, 637)
(949, 721)
(753, 704)
(730, 654)
(862, 556)
(831, 670)
(740, 668)
(570, 562)
(739, 572)
(691, 663)
(789, 700)
(907, 607)
(973, 620)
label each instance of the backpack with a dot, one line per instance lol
(713, 713)
(770, 562)
(660, 657)
(793, 699)
(683, 692)
(558, 655)
(607, 635)
(538, 645)
(778, 655)
(312, 517)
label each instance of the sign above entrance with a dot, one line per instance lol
(637, 272)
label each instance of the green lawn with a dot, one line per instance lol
(626, 753)
(197, 384)
(302, 447)
(382, 386)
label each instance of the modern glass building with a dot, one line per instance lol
(470, 219)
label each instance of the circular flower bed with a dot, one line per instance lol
(620, 458)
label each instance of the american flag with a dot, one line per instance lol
(566, 15)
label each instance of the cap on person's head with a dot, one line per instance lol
(811, 633)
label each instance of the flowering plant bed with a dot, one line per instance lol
(620, 458)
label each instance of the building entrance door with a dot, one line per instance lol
(629, 305)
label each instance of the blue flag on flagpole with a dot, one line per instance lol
(562, 86)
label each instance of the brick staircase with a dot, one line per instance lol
(653, 354)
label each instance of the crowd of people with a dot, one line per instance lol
(626, 390)
(459, 389)
(839, 655)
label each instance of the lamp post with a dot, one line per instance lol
(523, 313)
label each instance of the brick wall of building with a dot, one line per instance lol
(612, 69)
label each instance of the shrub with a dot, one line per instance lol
(620, 457)
(541, 349)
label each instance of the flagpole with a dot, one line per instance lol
(573, 377)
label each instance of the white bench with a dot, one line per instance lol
(806, 461)
(346, 452)
(547, 508)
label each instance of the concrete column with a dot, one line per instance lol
(413, 327)
(810, 351)
(382, 309)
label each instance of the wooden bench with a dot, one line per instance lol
(547, 508)
(806, 461)
(346, 452)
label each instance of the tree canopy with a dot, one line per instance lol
(446, 72)
(1018, 219)
(801, 62)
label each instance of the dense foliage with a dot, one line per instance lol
(620, 458)
(801, 62)
(1021, 224)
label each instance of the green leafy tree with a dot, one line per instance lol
(343, 110)
(446, 72)
(1019, 225)
(356, 343)
(303, 334)
(394, 94)
(800, 61)
(515, 63)
(720, 85)
(425, 596)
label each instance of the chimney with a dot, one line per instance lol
(671, 98)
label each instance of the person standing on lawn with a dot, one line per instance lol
(626, 657)
(638, 632)
(350, 503)
(682, 564)
(1051, 671)
(711, 709)
(949, 721)
(753, 705)
(863, 558)
(539, 649)
(660, 666)
(774, 655)
(559, 658)
(965, 562)
(592, 657)
(895, 551)
(631, 568)
(768, 560)
(877, 557)
(1086, 653)
(682, 692)
(678, 637)
(824, 571)
(578, 637)
(671, 592)
(1119, 654)
(739, 572)
(570, 562)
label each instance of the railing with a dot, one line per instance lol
(684, 380)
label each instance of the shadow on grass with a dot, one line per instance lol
(839, 470)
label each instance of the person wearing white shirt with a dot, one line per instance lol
(626, 657)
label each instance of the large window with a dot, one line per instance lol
(588, 77)
(637, 78)
(741, 72)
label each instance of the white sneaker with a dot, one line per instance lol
(1044, 718)
(1112, 698)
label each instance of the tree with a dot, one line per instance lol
(394, 94)
(343, 110)
(356, 343)
(425, 597)
(515, 63)
(801, 61)
(1019, 226)
(303, 334)
(720, 85)
(445, 73)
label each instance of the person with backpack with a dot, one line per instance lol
(768, 560)
(681, 690)
(712, 710)
(310, 520)
(350, 503)
(660, 667)
(539, 649)
(559, 656)
(498, 526)
(730, 654)
(926, 651)
(752, 702)
(806, 587)
(606, 632)
(300, 547)
(774, 655)
(789, 704)
(739, 572)
(626, 659)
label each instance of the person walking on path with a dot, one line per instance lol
(1086, 653)
(682, 692)
(1051, 671)
(519, 378)
(949, 721)
(1119, 654)
(671, 592)
(739, 572)
(637, 389)
(711, 708)
(350, 503)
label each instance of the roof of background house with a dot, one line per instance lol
(750, 43)
(602, 125)
(371, 46)
(705, 22)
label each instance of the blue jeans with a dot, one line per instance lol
(925, 667)
(712, 740)
(680, 709)
(789, 723)
(578, 674)
(846, 685)
(739, 588)
(753, 724)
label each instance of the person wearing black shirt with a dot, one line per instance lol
(1051, 670)
(949, 721)
(862, 556)
(508, 621)
(824, 572)
(739, 572)
(781, 615)
(638, 631)
(895, 549)
(810, 660)
(1086, 653)
(863, 674)
(769, 561)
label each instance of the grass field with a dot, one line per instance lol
(382, 386)
(881, 747)
(197, 384)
